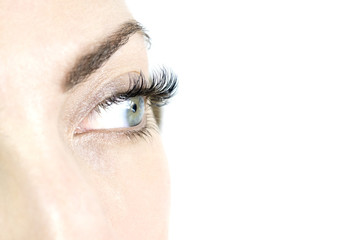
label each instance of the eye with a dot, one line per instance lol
(114, 113)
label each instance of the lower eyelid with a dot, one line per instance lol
(148, 122)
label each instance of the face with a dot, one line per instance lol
(81, 156)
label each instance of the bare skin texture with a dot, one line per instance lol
(54, 184)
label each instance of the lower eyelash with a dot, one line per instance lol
(146, 132)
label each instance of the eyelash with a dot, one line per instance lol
(158, 90)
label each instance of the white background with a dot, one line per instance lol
(263, 137)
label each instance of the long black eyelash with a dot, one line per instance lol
(160, 88)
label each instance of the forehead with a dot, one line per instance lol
(41, 36)
(31, 23)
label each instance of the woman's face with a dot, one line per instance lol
(66, 170)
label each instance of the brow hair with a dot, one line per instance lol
(87, 64)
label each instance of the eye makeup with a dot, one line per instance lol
(141, 101)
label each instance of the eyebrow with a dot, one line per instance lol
(89, 62)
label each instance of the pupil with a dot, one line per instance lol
(134, 107)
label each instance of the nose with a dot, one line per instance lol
(44, 194)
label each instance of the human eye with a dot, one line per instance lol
(115, 113)
(131, 112)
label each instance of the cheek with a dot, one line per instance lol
(133, 187)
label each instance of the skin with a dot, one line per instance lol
(55, 184)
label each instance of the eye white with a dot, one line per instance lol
(123, 114)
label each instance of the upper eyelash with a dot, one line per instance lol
(160, 88)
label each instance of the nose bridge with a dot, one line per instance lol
(48, 193)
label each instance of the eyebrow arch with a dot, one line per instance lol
(88, 63)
